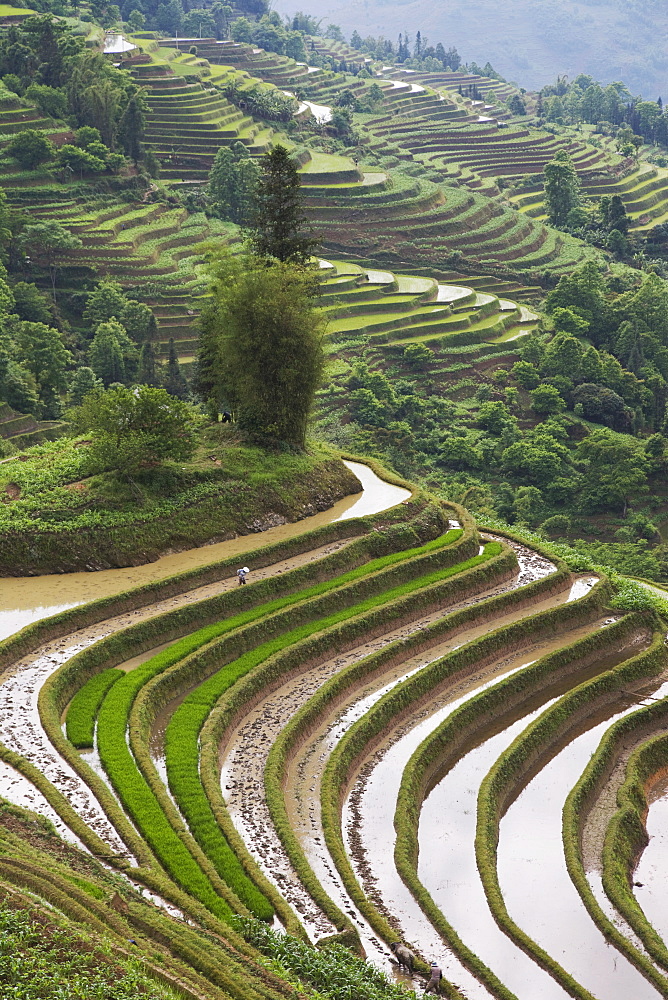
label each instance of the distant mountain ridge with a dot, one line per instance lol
(528, 41)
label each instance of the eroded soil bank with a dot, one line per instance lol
(232, 504)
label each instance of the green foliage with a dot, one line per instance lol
(135, 427)
(61, 965)
(333, 970)
(562, 188)
(233, 184)
(279, 228)
(30, 148)
(261, 351)
(83, 709)
(112, 355)
(546, 399)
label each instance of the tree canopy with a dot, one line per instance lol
(261, 347)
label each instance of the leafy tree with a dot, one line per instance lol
(547, 399)
(31, 303)
(418, 355)
(134, 428)
(175, 382)
(112, 355)
(279, 227)
(199, 22)
(147, 373)
(30, 148)
(46, 357)
(494, 417)
(131, 128)
(139, 321)
(51, 101)
(601, 405)
(526, 374)
(516, 105)
(233, 184)
(82, 383)
(458, 453)
(18, 388)
(80, 160)
(618, 467)
(529, 505)
(168, 17)
(261, 346)
(557, 526)
(569, 321)
(48, 243)
(241, 30)
(136, 20)
(531, 462)
(563, 356)
(584, 292)
(105, 301)
(562, 188)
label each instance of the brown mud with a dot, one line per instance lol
(247, 744)
(26, 599)
(368, 812)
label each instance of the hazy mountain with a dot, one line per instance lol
(529, 41)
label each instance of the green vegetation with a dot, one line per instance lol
(491, 324)
(60, 966)
(83, 708)
(333, 970)
(261, 350)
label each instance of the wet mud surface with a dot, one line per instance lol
(369, 811)
(20, 792)
(20, 726)
(531, 858)
(651, 875)
(27, 599)
(21, 730)
(247, 745)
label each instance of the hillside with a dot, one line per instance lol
(199, 792)
(528, 41)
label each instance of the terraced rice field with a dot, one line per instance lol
(375, 738)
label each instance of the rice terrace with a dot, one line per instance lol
(333, 505)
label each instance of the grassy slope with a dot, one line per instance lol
(64, 520)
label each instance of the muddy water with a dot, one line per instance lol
(368, 814)
(21, 731)
(27, 599)
(447, 863)
(20, 792)
(531, 859)
(651, 875)
(244, 755)
(24, 600)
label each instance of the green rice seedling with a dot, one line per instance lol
(82, 713)
(142, 805)
(128, 780)
(182, 735)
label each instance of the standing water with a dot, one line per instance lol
(27, 599)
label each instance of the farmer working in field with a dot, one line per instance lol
(434, 984)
